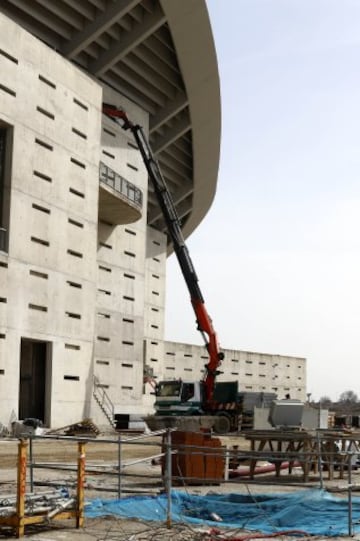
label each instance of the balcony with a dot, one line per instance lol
(120, 201)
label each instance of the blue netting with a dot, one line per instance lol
(313, 511)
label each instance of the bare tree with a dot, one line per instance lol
(348, 397)
(325, 401)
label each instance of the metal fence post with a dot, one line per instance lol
(119, 468)
(350, 524)
(319, 460)
(21, 488)
(31, 464)
(80, 486)
(168, 475)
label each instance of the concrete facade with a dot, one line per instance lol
(254, 371)
(82, 248)
(86, 289)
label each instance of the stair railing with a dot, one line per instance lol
(104, 400)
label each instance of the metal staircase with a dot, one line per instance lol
(104, 401)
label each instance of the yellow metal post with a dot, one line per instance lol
(21, 488)
(80, 485)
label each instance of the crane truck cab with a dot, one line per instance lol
(178, 397)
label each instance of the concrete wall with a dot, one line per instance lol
(254, 371)
(121, 275)
(54, 110)
(69, 280)
(154, 310)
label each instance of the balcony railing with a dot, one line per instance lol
(120, 184)
(3, 240)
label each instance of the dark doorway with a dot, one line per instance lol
(32, 379)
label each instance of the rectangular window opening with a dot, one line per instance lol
(46, 113)
(71, 378)
(127, 298)
(80, 104)
(105, 245)
(106, 269)
(40, 241)
(47, 81)
(41, 209)
(106, 363)
(78, 163)
(44, 144)
(130, 166)
(127, 320)
(79, 133)
(130, 276)
(103, 315)
(75, 347)
(3, 300)
(77, 193)
(127, 343)
(104, 291)
(127, 365)
(37, 307)
(38, 274)
(130, 232)
(75, 222)
(108, 154)
(75, 254)
(132, 145)
(42, 176)
(130, 254)
(74, 284)
(109, 132)
(9, 56)
(7, 90)
(73, 315)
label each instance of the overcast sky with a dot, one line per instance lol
(278, 254)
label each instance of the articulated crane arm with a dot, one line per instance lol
(204, 323)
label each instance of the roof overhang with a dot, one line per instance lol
(161, 55)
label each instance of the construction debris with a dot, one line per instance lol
(83, 428)
(49, 503)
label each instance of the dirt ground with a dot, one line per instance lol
(143, 476)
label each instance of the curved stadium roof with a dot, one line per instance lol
(161, 55)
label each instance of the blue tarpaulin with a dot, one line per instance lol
(315, 511)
